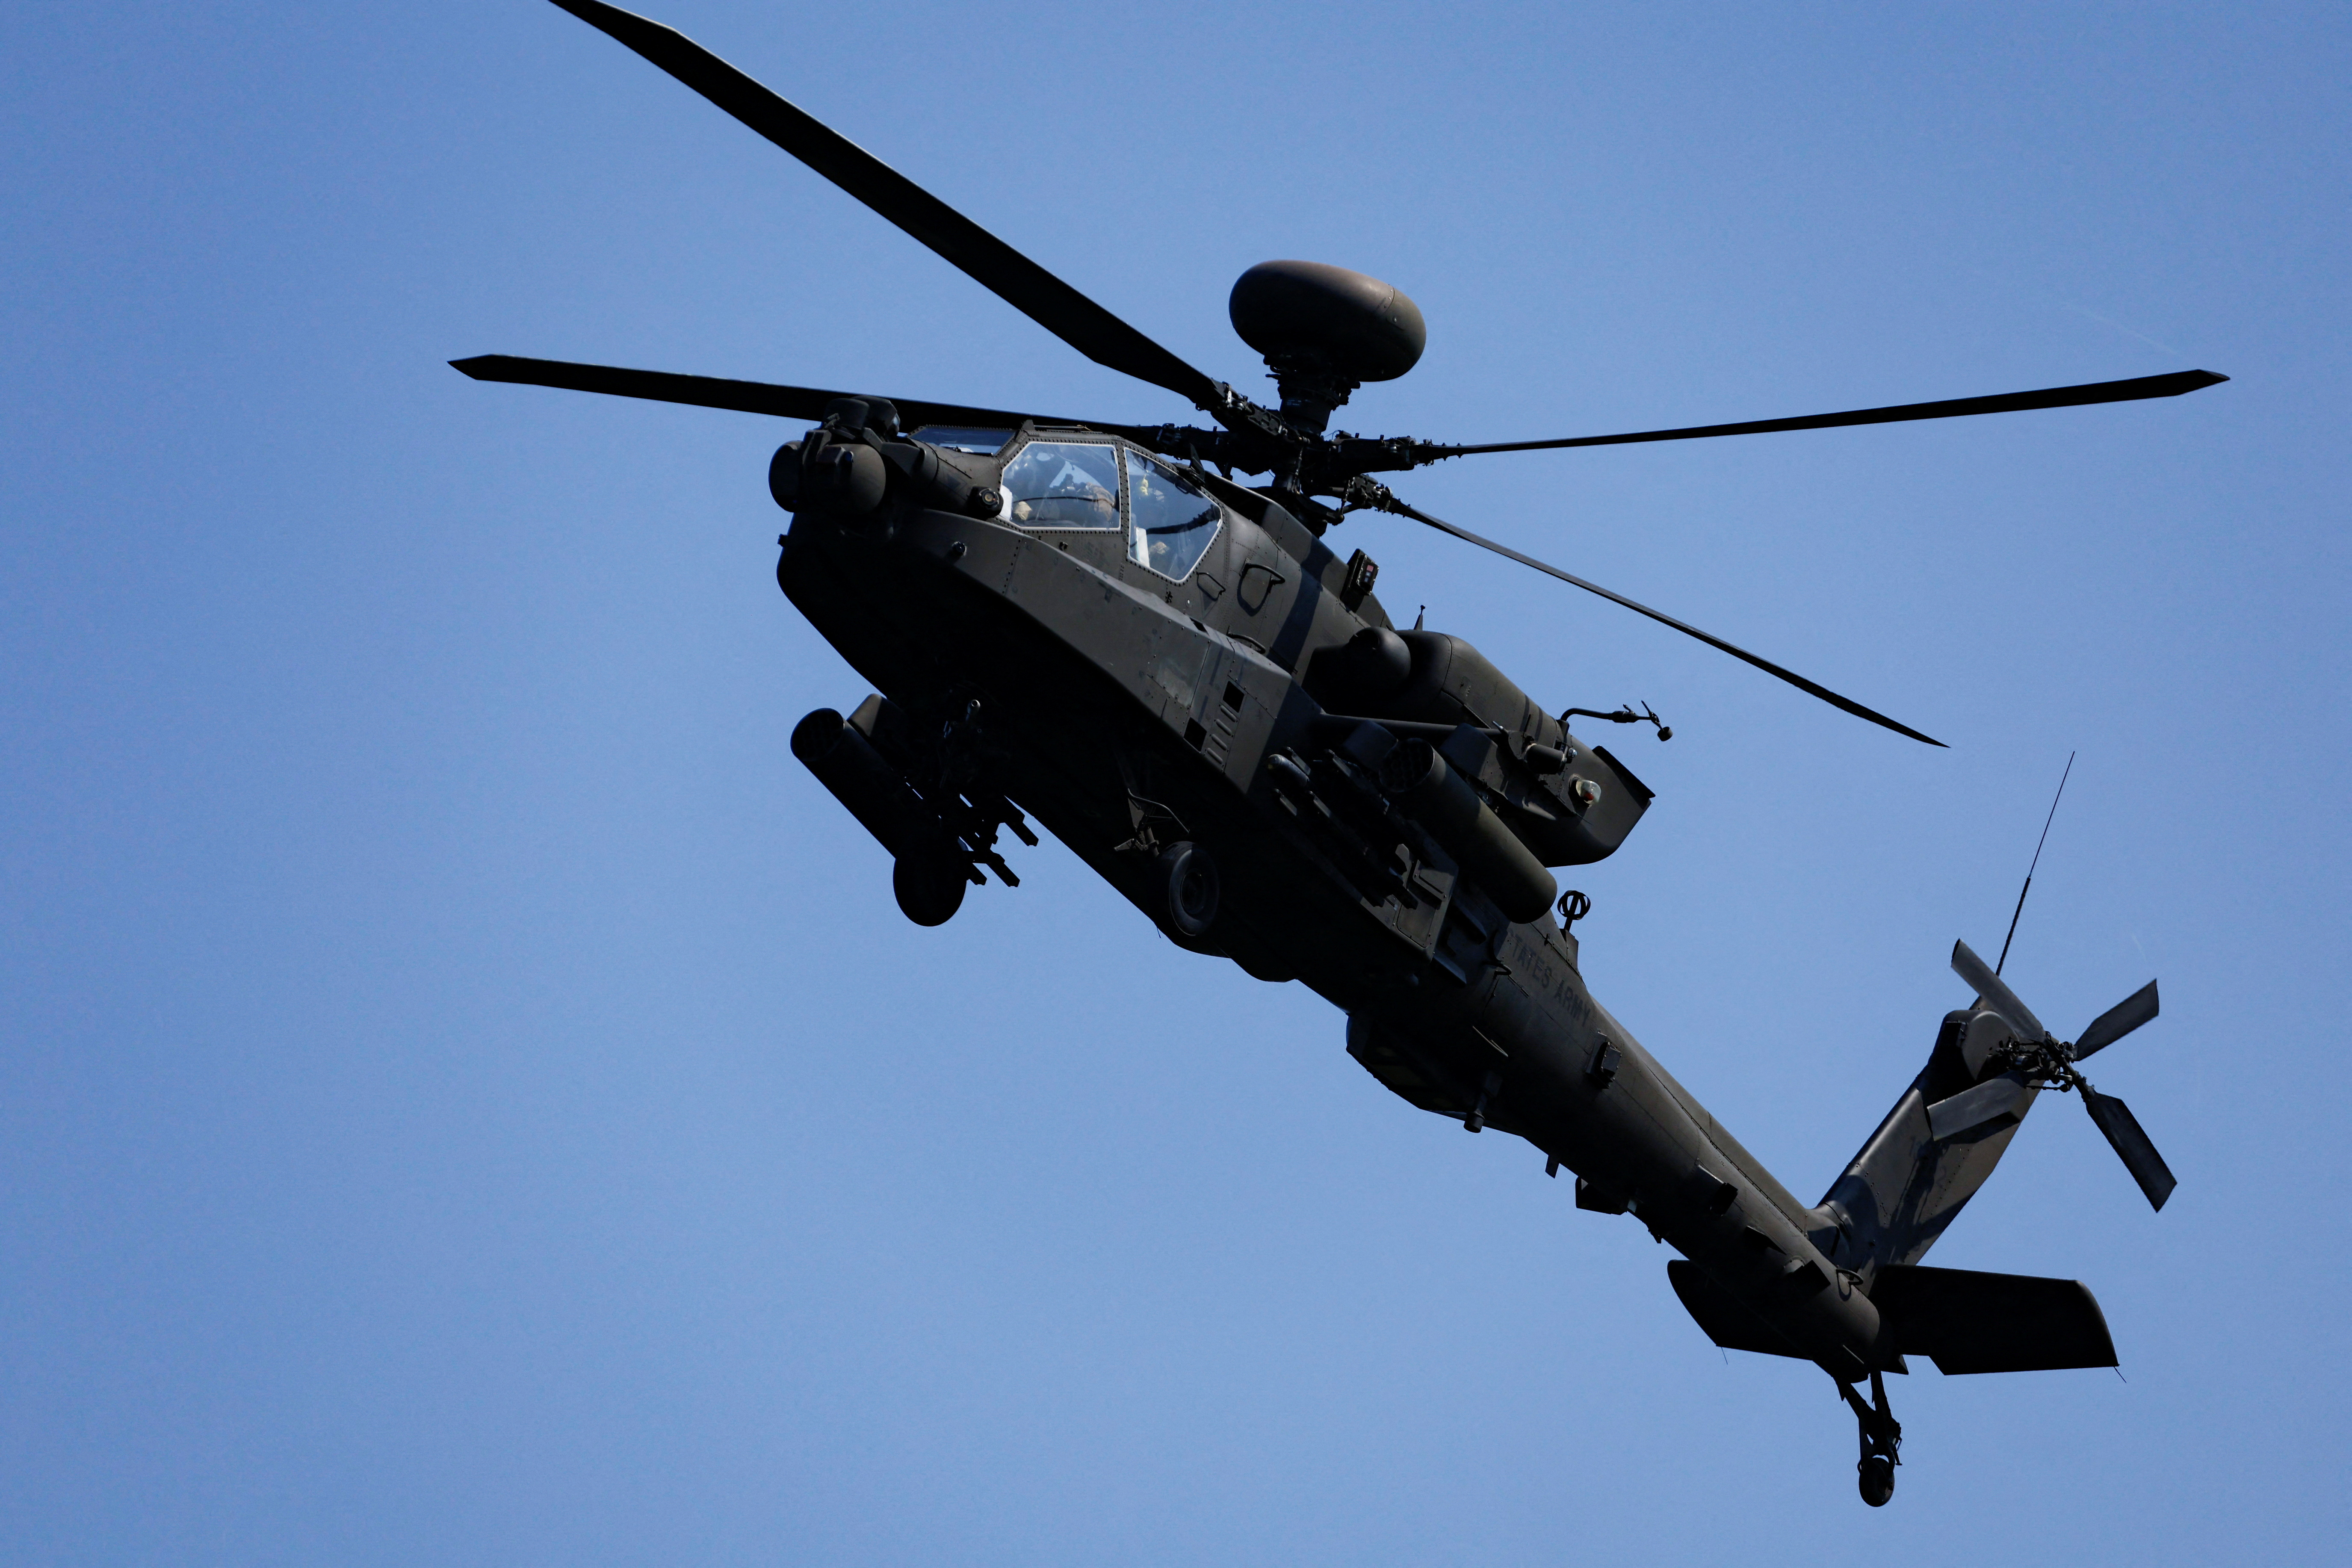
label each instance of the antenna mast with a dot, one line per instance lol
(2037, 861)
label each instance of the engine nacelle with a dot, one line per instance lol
(1425, 789)
(1570, 805)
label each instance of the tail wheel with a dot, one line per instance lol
(1189, 880)
(929, 887)
(1882, 1440)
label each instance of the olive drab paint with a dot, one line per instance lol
(1097, 626)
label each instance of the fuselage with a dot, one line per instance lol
(1131, 695)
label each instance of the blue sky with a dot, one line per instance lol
(467, 1095)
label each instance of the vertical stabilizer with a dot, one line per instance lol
(1907, 1183)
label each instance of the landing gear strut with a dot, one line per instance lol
(1881, 1438)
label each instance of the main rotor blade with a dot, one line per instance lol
(1766, 665)
(2131, 1144)
(988, 261)
(2170, 385)
(2118, 1021)
(1996, 994)
(712, 392)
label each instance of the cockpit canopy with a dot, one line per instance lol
(1064, 484)
(1101, 485)
(965, 438)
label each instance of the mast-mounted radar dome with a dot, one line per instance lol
(1324, 330)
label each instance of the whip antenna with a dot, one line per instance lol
(2037, 861)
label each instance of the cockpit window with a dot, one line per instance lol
(1064, 484)
(1175, 521)
(965, 438)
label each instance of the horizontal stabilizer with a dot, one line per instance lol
(1723, 1317)
(1967, 1323)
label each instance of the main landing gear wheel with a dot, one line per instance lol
(1190, 877)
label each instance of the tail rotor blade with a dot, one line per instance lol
(2118, 1021)
(2131, 1145)
(1997, 995)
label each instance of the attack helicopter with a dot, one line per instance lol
(1097, 627)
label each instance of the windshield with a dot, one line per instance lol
(965, 438)
(1064, 484)
(1174, 519)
